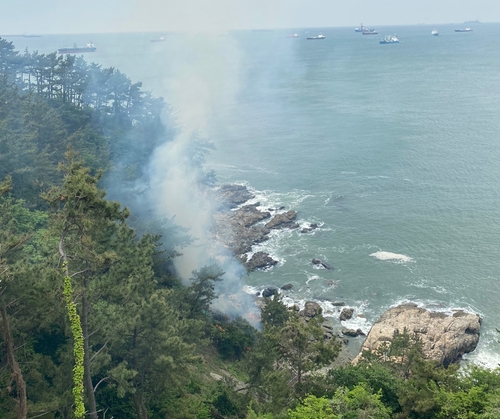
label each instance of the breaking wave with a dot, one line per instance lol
(397, 257)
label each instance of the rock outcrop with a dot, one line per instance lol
(234, 195)
(352, 332)
(283, 220)
(321, 264)
(269, 292)
(260, 260)
(346, 314)
(240, 228)
(444, 338)
(311, 309)
(248, 215)
(310, 228)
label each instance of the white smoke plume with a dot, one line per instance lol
(205, 76)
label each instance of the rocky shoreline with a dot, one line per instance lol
(444, 338)
(239, 227)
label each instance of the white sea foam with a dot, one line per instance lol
(250, 290)
(339, 249)
(311, 277)
(307, 224)
(331, 311)
(437, 306)
(273, 246)
(357, 323)
(484, 358)
(430, 285)
(486, 353)
(397, 257)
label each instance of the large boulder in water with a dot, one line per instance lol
(352, 332)
(260, 260)
(311, 309)
(283, 220)
(321, 264)
(346, 314)
(445, 338)
(269, 292)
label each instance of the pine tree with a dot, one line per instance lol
(87, 226)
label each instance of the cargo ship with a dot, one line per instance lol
(75, 49)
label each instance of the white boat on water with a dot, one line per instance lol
(390, 39)
(320, 36)
(435, 32)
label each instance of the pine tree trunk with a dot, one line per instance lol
(17, 375)
(140, 408)
(89, 388)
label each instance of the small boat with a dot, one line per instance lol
(320, 36)
(368, 31)
(435, 32)
(365, 31)
(463, 30)
(90, 47)
(295, 35)
(390, 39)
(160, 39)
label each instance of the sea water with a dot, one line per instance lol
(394, 150)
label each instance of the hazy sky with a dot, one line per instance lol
(90, 16)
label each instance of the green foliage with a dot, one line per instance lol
(224, 405)
(313, 408)
(201, 292)
(379, 377)
(475, 376)
(303, 349)
(78, 351)
(57, 101)
(461, 404)
(360, 402)
(283, 362)
(253, 415)
(274, 312)
(492, 410)
(233, 338)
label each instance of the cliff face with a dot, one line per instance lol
(444, 338)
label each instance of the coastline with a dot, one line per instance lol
(242, 224)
